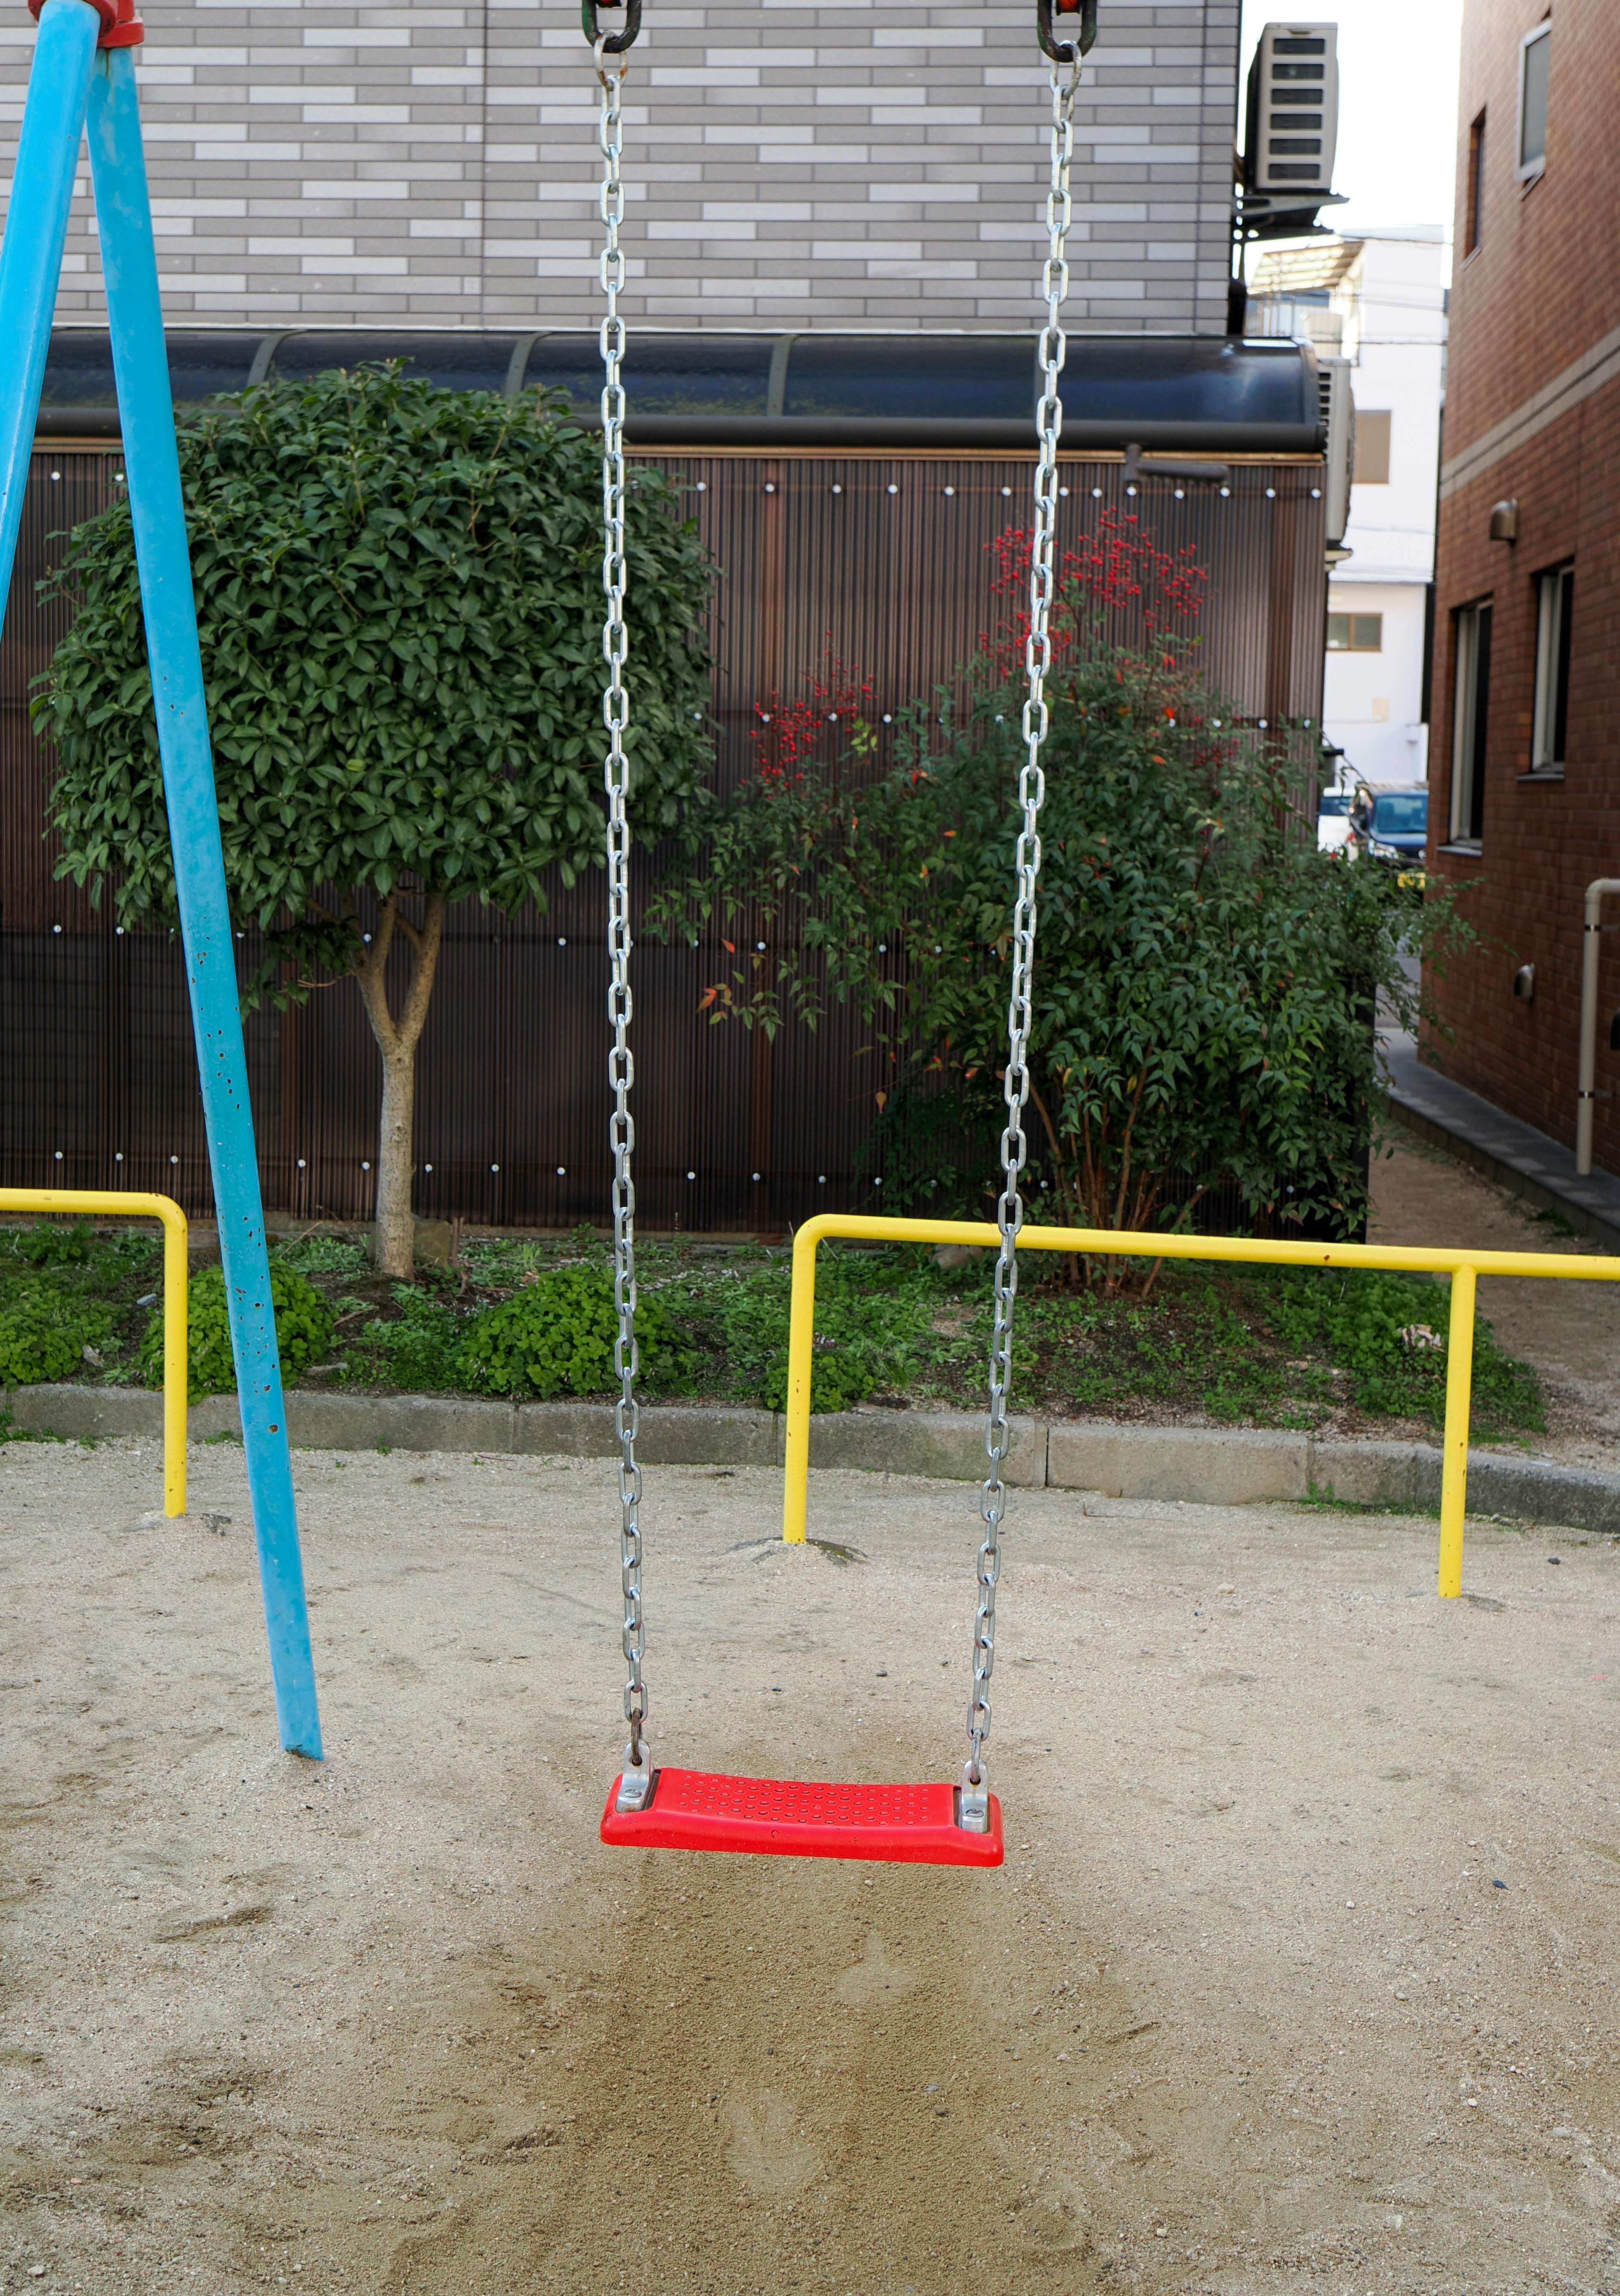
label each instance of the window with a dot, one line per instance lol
(1470, 709)
(1355, 633)
(1534, 50)
(1371, 448)
(1474, 197)
(1404, 814)
(1554, 596)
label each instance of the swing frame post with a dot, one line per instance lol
(1463, 1268)
(36, 232)
(83, 79)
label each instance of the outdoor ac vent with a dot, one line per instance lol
(1292, 116)
(1338, 423)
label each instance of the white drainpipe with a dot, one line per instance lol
(1589, 1017)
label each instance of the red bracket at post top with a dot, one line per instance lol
(122, 28)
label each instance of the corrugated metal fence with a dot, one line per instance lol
(876, 561)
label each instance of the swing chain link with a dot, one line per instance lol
(637, 1780)
(1031, 792)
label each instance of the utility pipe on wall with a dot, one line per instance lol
(1590, 947)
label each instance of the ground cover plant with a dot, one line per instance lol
(73, 1301)
(398, 604)
(303, 1328)
(533, 1318)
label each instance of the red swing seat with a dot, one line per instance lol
(786, 1818)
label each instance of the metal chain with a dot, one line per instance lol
(1031, 792)
(637, 1780)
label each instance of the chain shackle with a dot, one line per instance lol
(610, 44)
(1065, 52)
(1032, 793)
(638, 1773)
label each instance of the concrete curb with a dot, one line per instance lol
(1216, 1466)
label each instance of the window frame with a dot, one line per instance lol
(1471, 721)
(1527, 170)
(1351, 616)
(1549, 700)
(1474, 187)
(1380, 425)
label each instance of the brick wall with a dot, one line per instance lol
(831, 165)
(1532, 413)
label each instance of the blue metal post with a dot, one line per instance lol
(151, 466)
(35, 226)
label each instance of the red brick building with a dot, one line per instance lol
(1524, 770)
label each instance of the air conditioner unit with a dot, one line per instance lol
(1291, 122)
(1338, 409)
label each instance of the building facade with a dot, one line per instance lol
(788, 165)
(1378, 301)
(1526, 809)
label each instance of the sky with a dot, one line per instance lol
(1397, 141)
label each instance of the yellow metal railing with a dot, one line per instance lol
(108, 1203)
(1463, 1268)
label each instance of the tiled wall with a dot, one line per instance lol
(835, 165)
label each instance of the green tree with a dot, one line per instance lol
(1205, 982)
(399, 599)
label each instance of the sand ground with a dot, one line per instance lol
(1299, 1974)
(1570, 1331)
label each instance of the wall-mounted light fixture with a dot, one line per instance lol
(1524, 983)
(1504, 522)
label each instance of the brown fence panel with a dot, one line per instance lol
(879, 563)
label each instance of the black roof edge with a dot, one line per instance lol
(900, 434)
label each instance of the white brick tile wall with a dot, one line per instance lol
(817, 167)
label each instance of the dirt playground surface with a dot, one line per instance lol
(1299, 1974)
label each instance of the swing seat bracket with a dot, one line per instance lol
(782, 1817)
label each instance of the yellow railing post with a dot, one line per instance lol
(1454, 1454)
(800, 1365)
(1464, 1268)
(117, 1203)
(177, 1367)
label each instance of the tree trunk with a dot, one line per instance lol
(394, 1247)
(394, 1250)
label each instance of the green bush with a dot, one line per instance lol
(557, 1333)
(44, 1336)
(420, 1348)
(303, 1331)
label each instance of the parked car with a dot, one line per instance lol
(1397, 830)
(1333, 820)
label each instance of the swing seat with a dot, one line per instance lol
(783, 1817)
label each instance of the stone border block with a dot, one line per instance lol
(1367, 1474)
(948, 1445)
(93, 1414)
(1212, 1466)
(564, 1430)
(719, 1435)
(1534, 1491)
(428, 1423)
